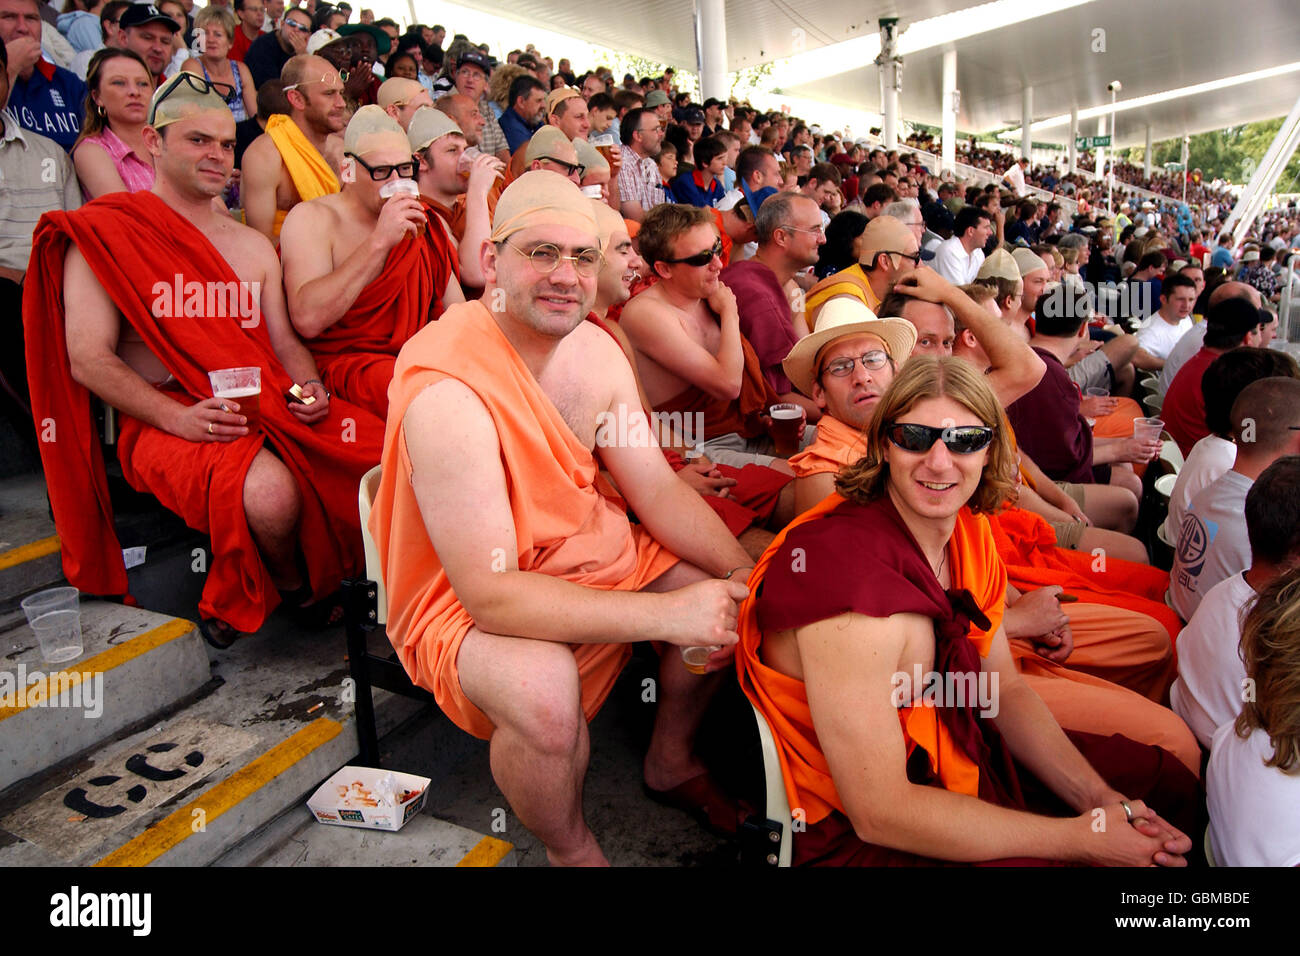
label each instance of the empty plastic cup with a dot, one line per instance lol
(55, 617)
(1148, 429)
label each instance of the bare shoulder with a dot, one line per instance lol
(305, 218)
(261, 152)
(643, 306)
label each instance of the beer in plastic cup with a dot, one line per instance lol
(466, 160)
(243, 385)
(592, 192)
(55, 619)
(606, 145)
(785, 428)
(697, 658)
(403, 187)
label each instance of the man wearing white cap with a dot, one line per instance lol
(459, 198)
(362, 272)
(269, 480)
(400, 98)
(516, 588)
(298, 156)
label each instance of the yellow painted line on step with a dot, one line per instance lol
(172, 830)
(57, 682)
(489, 852)
(29, 552)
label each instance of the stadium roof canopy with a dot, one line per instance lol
(1226, 64)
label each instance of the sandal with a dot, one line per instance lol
(218, 633)
(701, 797)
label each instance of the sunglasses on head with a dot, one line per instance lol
(960, 440)
(700, 258)
(200, 84)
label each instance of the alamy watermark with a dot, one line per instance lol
(74, 690)
(630, 427)
(210, 300)
(951, 689)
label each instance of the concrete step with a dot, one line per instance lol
(29, 547)
(425, 841)
(192, 788)
(136, 665)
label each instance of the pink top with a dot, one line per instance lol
(137, 175)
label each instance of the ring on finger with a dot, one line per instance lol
(1128, 811)
(209, 428)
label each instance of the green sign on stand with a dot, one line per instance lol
(1091, 142)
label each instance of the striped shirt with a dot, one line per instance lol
(639, 180)
(38, 177)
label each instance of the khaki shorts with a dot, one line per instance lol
(1091, 371)
(1073, 490)
(1068, 533)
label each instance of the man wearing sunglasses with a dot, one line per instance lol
(889, 251)
(299, 155)
(884, 655)
(474, 543)
(277, 495)
(363, 272)
(269, 53)
(690, 352)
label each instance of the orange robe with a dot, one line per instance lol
(138, 247)
(355, 355)
(567, 523)
(1121, 667)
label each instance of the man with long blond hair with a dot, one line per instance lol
(900, 646)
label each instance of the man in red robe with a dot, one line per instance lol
(363, 272)
(135, 299)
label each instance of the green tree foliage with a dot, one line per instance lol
(1230, 154)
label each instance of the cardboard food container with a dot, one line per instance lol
(351, 798)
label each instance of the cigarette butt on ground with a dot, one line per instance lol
(315, 707)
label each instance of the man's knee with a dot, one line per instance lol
(536, 693)
(271, 496)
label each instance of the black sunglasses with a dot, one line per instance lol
(200, 84)
(380, 173)
(569, 168)
(960, 440)
(700, 258)
(914, 256)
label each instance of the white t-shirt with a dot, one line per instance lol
(1159, 337)
(952, 262)
(1016, 177)
(1212, 543)
(1209, 459)
(1207, 693)
(1254, 809)
(1184, 349)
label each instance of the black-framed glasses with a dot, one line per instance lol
(960, 439)
(547, 256)
(343, 78)
(569, 168)
(200, 84)
(872, 361)
(380, 173)
(700, 258)
(914, 256)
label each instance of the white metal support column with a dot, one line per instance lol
(711, 48)
(891, 78)
(1074, 134)
(1101, 150)
(1261, 184)
(1146, 162)
(1026, 119)
(948, 109)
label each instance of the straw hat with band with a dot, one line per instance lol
(840, 317)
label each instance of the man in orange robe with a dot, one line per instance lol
(872, 621)
(1118, 643)
(512, 571)
(363, 273)
(135, 299)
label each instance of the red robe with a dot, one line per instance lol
(132, 241)
(356, 354)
